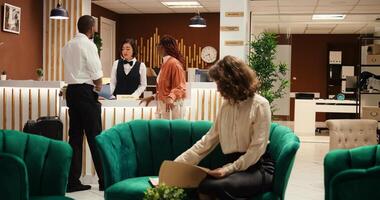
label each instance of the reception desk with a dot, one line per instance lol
(305, 112)
(24, 100)
(202, 103)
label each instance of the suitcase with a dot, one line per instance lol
(51, 127)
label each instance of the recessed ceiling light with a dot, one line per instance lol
(182, 4)
(328, 17)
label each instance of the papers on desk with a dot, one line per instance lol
(126, 97)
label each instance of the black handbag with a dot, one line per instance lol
(48, 126)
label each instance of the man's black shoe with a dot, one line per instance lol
(77, 187)
(101, 185)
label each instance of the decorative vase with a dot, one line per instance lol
(3, 77)
(40, 78)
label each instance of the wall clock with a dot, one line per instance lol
(209, 54)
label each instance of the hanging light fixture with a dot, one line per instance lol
(59, 12)
(197, 21)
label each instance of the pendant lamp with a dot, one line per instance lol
(59, 12)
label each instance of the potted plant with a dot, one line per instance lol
(3, 75)
(98, 41)
(271, 76)
(40, 73)
(164, 192)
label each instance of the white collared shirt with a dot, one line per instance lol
(127, 69)
(81, 59)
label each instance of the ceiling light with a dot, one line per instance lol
(197, 21)
(328, 17)
(182, 4)
(59, 12)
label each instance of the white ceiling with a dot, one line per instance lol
(280, 16)
(154, 6)
(295, 16)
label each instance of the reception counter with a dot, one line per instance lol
(24, 100)
(202, 103)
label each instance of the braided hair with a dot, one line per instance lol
(171, 48)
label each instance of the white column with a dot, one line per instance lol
(86, 7)
(229, 40)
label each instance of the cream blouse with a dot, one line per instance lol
(240, 127)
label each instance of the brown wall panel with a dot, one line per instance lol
(98, 11)
(21, 54)
(310, 60)
(144, 25)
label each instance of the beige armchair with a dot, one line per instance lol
(351, 133)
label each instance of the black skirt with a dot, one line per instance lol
(257, 179)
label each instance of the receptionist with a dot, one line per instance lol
(128, 75)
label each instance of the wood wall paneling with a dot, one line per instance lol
(57, 33)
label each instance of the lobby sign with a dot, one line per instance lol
(233, 43)
(234, 14)
(12, 18)
(229, 28)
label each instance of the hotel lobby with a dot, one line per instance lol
(317, 63)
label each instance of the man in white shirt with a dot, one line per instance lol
(83, 74)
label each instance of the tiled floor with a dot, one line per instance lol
(306, 180)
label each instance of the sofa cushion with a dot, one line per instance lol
(128, 189)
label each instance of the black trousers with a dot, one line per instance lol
(85, 118)
(256, 179)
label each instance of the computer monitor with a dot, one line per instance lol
(351, 83)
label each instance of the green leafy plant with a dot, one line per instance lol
(3, 72)
(98, 41)
(261, 56)
(164, 192)
(40, 72)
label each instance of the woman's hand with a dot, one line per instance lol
(169, 104)
(217, 173)
(147, 100)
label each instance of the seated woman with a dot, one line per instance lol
(242, 129)
(128, 76)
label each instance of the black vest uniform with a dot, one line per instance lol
(127, 84)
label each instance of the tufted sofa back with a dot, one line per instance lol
(138, 148)
(351, 133)
(351, 174)
(47, 161)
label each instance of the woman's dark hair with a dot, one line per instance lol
(132, 42)
(85, 23)
(171, 48)
(236, 80)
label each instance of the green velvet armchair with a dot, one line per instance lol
(33, 167)
(352, 174)
(132, 152)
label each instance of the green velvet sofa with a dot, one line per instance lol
(33, 167)
(352, 174)
(132, 152)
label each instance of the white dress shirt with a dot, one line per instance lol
(240, 127)
(81, 59)
(127, 69)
